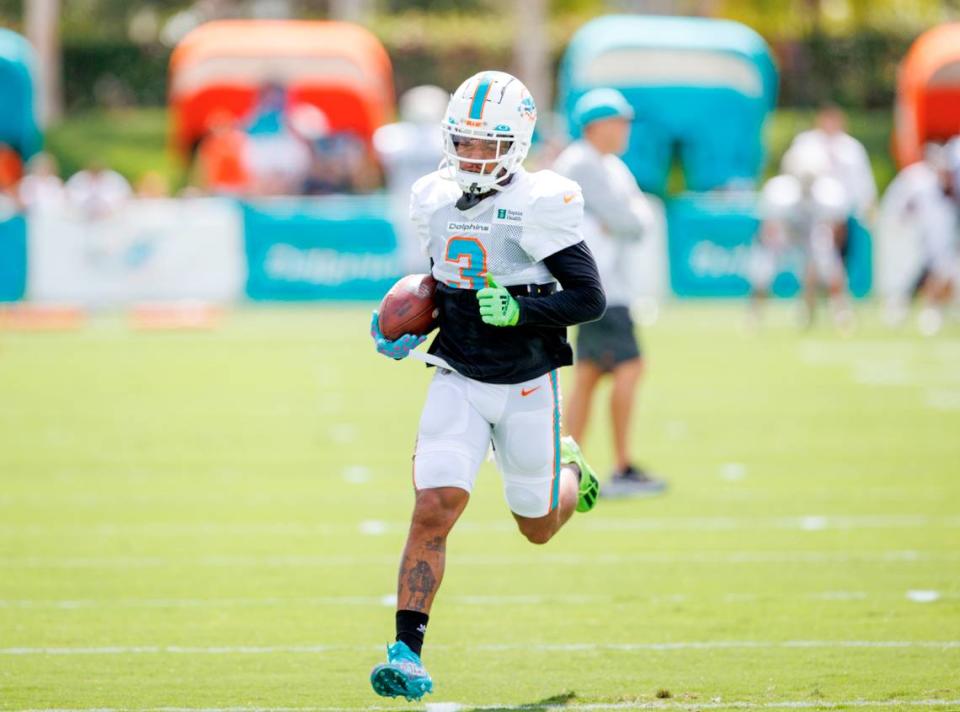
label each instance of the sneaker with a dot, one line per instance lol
(403, 675)
(633, 482)
(589, 484)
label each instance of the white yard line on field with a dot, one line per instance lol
(546, 559)
(713, 704)
(939, 645)
(806, 522)
(533, 599)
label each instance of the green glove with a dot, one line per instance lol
(497, 305)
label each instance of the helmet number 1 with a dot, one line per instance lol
(471, 256)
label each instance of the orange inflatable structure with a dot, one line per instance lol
(928, 93)
(338, 67)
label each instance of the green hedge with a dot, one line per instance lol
(114, 73)
(856, 71)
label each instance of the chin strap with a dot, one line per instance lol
(468, 200)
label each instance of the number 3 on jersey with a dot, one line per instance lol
(471, 256)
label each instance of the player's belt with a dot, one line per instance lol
(533, 290)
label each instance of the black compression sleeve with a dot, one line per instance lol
(582, 298)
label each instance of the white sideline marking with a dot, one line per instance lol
(943, 400)
(390, 600)
(498, 647)
(356, 474)
(923, 596)
(653, 557)
(733, 471)
(694, 524)
(372, 527)
(714, 704)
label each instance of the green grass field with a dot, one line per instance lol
(213, 521)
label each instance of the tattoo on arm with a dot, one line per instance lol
(438, 543)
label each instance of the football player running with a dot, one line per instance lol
(499, 240)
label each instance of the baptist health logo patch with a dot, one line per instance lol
(507, 215)
(468, 227)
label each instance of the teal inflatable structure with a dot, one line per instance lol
(701, 89)
(18, 120)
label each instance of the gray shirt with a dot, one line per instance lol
(616, 214)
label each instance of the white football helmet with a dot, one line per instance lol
(492, 106)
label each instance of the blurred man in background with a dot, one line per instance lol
(616, 216)
(408, 150)
(848, 160)
(802, 209)
(278, 158)
(922, 203)
(222, 162)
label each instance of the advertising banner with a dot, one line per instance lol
(13, 258)
(339, 248)
(149, 250)
(710, 249)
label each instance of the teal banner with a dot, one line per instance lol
(336, 248)
(13, 259)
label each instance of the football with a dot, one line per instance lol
(408, 308)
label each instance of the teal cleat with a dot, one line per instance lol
(403, 675)
(589, 484)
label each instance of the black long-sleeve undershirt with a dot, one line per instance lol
(582, 298)
(538, 343)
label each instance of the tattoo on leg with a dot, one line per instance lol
(438, 543)
(421, 584)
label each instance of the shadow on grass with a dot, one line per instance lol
(546, 703)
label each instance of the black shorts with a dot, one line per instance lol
(610, 341)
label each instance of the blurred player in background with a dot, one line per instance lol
(408, 150)
(801, 211)
(616, 217)
(922, 203)
(848, 163)
(482, 215)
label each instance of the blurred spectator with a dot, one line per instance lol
(923, 200)
(848, 160)
(409, 150)
(616, 216)
(412, 147)
(153, 184)
(11, 168)
(42, 188)
(278, 158)
(337, 165)
(221, 165)
(97, 191)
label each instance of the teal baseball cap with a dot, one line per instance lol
(599, 104)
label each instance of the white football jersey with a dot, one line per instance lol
(506, 235)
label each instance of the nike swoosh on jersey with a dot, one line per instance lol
(527, 391)
(567, 197)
